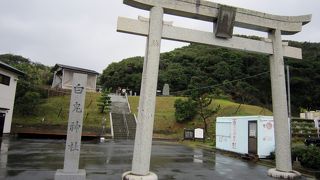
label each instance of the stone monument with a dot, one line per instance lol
(71, 169)
(225, 19)
(166, 90)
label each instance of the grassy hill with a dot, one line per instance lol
(166, 126)
(54, 112)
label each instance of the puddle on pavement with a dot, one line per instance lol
(39, 159)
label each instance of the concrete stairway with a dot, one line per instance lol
(119, 127)
(124, 126)
(131, 125)
(123, 122)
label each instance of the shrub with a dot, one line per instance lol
(185, 110)
(104, 101)
(28, 104)
(309, 156)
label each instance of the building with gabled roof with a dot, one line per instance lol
(63, 76)
(8, 83)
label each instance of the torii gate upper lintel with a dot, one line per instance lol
(208, 11)
(155, 30)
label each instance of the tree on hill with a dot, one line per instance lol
(28, 103)
(203, 98)
(217, 67)
(36, 73)
(104, 101)
(204, 111)
(126, 73)
(29, 88)
(184, 110)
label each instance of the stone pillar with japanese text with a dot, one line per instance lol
(72, 149)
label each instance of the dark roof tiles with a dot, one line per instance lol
(88, 71)
(10, 68)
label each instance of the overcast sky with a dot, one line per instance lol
(83, 33)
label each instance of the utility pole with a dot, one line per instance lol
(289, 102)
(288, 89)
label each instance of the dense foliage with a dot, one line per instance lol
(104, 101)
(184, 109)
(198, 102)
(204, 111)
(125, 74)
(309, 156)
(30, 86)
(241, 76)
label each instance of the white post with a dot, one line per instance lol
(74, 131)
(280, 111)
(143, 139)
(4, 146)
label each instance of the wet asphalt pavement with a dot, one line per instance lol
(24, 159)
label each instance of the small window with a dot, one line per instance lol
(4, 79)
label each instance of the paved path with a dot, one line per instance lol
(23, 159)
(119, 104)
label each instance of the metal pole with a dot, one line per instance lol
(289, 94)
(289, 104)
(289, 100)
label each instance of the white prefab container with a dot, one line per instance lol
(246, 135)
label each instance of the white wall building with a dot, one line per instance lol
(63, 76)
(246, 135)
(8, 83)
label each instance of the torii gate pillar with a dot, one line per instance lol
(144, 131)
(280, 111)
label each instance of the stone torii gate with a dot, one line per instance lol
(224, 19)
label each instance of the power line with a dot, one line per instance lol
(224, 83)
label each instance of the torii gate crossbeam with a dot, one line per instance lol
(141, 27)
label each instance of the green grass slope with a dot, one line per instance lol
(166, 126)
(54, 111)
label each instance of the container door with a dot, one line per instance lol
(252, 140)
(2, 118)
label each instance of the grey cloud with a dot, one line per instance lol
(83, 32)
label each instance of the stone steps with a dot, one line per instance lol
(124, 126)
(131, 125)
